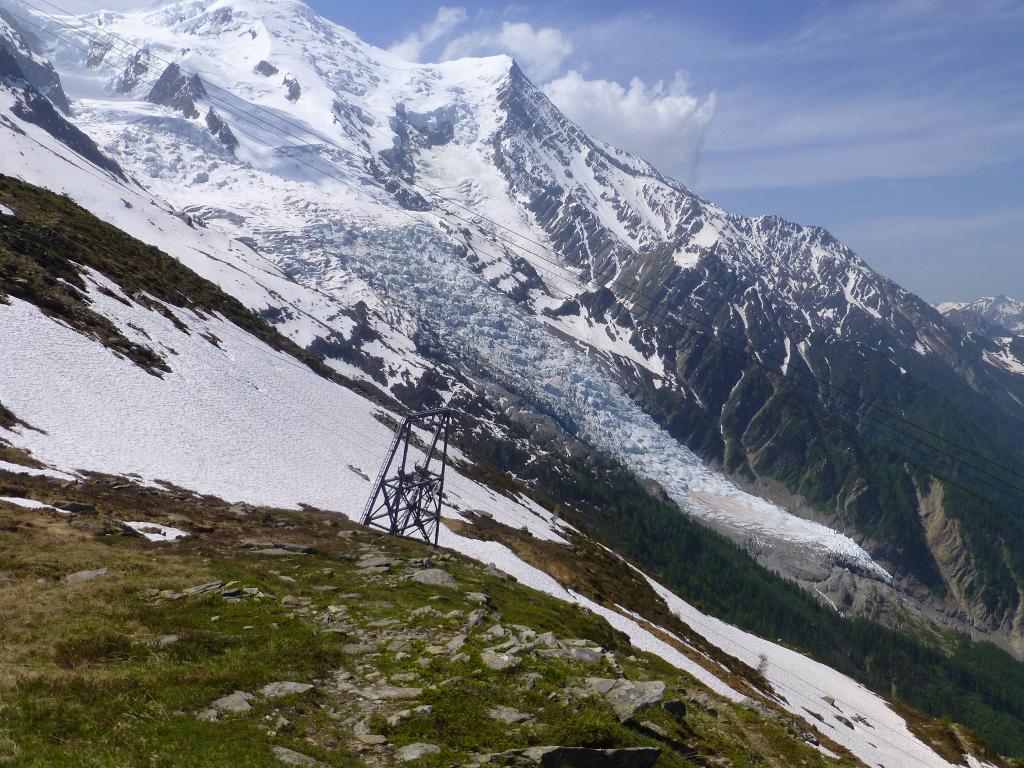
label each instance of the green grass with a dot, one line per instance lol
(83, 684)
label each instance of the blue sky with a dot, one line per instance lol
(898, 125)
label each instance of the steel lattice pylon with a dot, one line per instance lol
(407, 499)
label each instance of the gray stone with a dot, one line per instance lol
(548, 640)
(627, 697)
(388, 692)
(372, 739)
(358, 649)
(576, 757)
(435, 577)
(202, 589)
(508, 715)
(165, 640)
(284, 688)
(498, 661)
(478, 597)
(278, 551)
(291, 757)
(267, 547)
(586, 655)
(412, 752)
(80, 576)
(233, 702)
(377, 561)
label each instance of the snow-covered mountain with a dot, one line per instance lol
(329, 232)
(128, 365)
(460, 225)
(995, 312)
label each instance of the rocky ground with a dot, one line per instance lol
(268, 638)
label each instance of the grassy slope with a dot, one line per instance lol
(52, 236)
(973, 683)
(83, 684)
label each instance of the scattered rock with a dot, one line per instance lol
(80, 576)
(291, 757)
(201, 589)
(576, 757)
(508, 715)
(627, 697)
(416, 751)
(435, 577)
(586, 655)
(388, 692)
(478, 597)
(233, 702)
(547, 640)
(358, 649)
(265, 68)
(165, 640)
(284, 688)
(377, 561)
(372, 739)
(276, 547)
(498, 661)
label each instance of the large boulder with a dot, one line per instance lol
(435, 577)
(626, 696)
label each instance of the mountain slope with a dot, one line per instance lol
(245, 396)
(340, 195)
(206, 401)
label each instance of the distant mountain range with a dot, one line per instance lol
(995, 315)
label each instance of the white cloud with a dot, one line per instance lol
(540, 51)
(411, 47)
(663, 122)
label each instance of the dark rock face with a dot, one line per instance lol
(265, 68)
(33, 107)
(135, 70)
(294, 90)
(177, 90)
(415, 131)
(40, 74)
(97, 52)
(221, 130)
